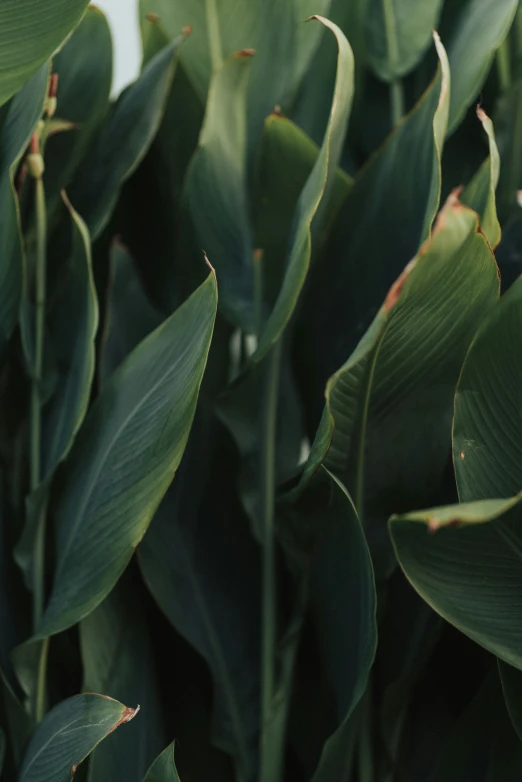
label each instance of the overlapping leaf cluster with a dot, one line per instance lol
(211, 473)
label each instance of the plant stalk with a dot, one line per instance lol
(269, 583)
(396, 90)
(503, 58)
(214, 35)
(35, 438)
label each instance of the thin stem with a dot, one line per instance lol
(396, 89)
(503, 58)
(214, 35)
(365, 754)
(40, 695)
(257, 261)
(269, 594)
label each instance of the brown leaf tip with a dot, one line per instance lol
(395, 291)
(245, 53)
(152, 17)
(187, 30)
(435, 524)
(481, 114)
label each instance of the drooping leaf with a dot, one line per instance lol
(486, 23)
(68, 734)
(202, 567)
(369, 247)
(486, 446)
(464, 560)
(314, 198)
(216, 189)
(398, 34)
(84, 68)
(125, 457)
(22, 115)
(117, 660)
(123, 141)
(479, 194)
(30, 34)
(164, 768)
(394, 396)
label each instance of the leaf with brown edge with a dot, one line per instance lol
(393, 398)
(69, 733)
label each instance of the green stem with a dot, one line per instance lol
(503, 58)
(269, 594)
(396, 90)
(35, 445)
(214, 36)
(365, 754)
(257, 261)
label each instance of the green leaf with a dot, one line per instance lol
(117, 660)
(314, 198)
(29, 35)
(164, 768)
(123, 141)
(512, 687)
(479, 194)
(73, 321)
(286, 159)
(84, 67)
(508, 124)
(398, 32)
(125, 458)
(68, 734)
(486, 23)
(22, 115)
(486, 442)
(201, 565)
(216, 189)
(468, 568)
(394, 396)
(386, 216)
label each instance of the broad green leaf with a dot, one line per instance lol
(216, 189)
(464, 560)
(483, 745)
(22, 115)
(486, 442)
(30, 34)
(322, 530)
(508, 125)
(219, 29)
(398, 33)
(164, 768)
(123, 141)
(314, 198)
(479, 194)
(84, 68)
(486, 23)
(286, 158)
(125, 458)
(68, 734)
(130, 316)
(118, 661)
(394, 395)
(202, 567)
(386, 216)
(73, 321)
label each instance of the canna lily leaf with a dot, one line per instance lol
(399, 383)
(84, 67)
(360, 263)
(123, 141)
(164, 768)
(398, 32)
(511, 679)
(68, 734)
(314, 198)
(22, 115)
(456, 568)
(508, 123)
(125, 458)
(486, 23)
(480, 192)
(117, 660)
(216, 189)
(486, 448)
(29, 35)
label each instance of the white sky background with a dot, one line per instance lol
(123, 18)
